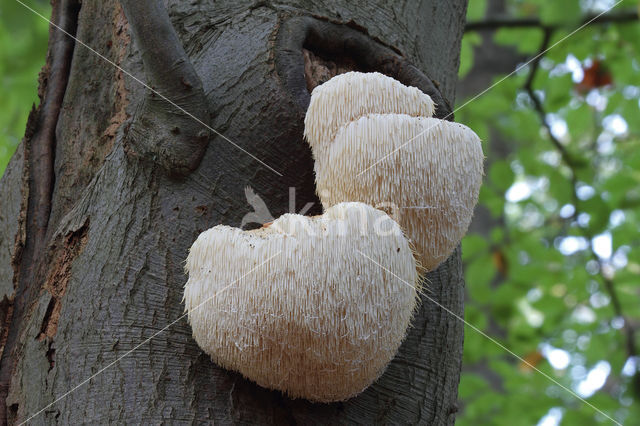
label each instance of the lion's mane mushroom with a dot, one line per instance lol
(349, 96)
(427, 171)
(301, 305)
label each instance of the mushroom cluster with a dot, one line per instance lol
(394, 155)
(317, 307)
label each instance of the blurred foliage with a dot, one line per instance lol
(555, 273)
(23, 49)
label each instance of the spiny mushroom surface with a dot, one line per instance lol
(426, 171)
(348, 96)
(301, 306)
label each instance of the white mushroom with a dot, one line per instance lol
(427, 171)
(349, 96)
(301, 306)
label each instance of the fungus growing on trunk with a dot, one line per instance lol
(392, 153)
(351, 95)
(301, 305)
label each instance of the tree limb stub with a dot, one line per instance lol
(160, 131)
(302, 34)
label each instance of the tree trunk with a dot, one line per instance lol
(99, 207)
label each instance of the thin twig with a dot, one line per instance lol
(572, 165)
(510, 22)
(539, 109)
(537, 104)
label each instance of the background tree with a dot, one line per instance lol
(111, 184)
(553, 270)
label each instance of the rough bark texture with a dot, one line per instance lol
(93, 236)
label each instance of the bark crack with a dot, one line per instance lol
(72, 244)
(6, 312)
(59, 276)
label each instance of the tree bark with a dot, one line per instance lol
(96, 220)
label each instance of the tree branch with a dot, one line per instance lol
(510, 22)
(168, 134)
(537, 104)
(572, 165)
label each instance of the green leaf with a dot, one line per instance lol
(526, 40)
(23, 44)
(478, 276)
(476, 9)
(559, 92)
(466, 53)
(560, 12)
(599, 212)
(473, 245)
(501, 175)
